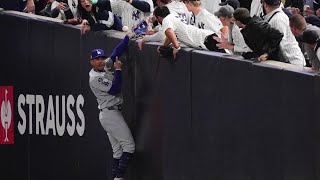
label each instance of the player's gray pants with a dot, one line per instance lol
(118, 132)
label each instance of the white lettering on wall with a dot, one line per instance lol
(55, 122)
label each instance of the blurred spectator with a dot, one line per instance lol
(190, 35)
(33, 6)
(65, 9)
(202, 18)
(234, 40)
(233, 3)
(62, 9)
(295, 3)
(318, 12)
(289, 48)
(257, 9)
(259, 36)
(308, 11)
(97, 18)
(312, 41)
(314, 20)
(131, 12)
(175, 7)
(298, 25)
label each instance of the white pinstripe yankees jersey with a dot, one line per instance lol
(186, 34)
(289, 47)
(130, 16)
(206, 20)
(256, 8)
(180, 10)
(211, 5)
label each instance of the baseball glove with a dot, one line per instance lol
(166, 51)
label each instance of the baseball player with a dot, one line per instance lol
(106, 86)
(190, 35)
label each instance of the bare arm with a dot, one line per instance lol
(30, 8)
(171, 38)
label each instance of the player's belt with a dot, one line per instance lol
(116, 107)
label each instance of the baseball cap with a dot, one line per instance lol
(97, 53)
(233, 3)
(271, 2)
(225, 11)
(310, 36)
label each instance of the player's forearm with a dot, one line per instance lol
(116, 83)
(141, 5)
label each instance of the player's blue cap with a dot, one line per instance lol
(97, 53)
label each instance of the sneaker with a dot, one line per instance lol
(118, 179)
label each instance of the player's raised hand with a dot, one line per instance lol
(118, 64)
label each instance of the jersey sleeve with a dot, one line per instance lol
(238, 41)
(154, 37)
(213, 23)
(166, 24)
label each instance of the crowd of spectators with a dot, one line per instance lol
(282, 30)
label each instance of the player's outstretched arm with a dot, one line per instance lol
(117, 82)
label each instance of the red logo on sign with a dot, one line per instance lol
(6, 115)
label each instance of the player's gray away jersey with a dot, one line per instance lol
(100, 83)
